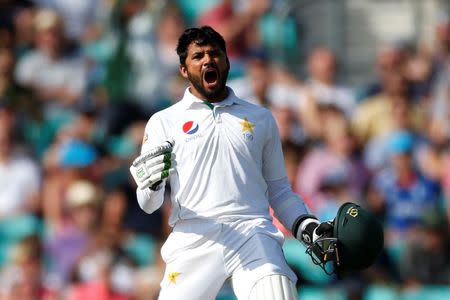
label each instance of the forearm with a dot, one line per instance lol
(62, 94)
(231, 29)
(240, 20)
(150, 171)
(150, 200)
(287, 205)
(293, 213)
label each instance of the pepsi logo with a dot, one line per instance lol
(190, 127)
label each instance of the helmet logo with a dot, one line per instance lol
(352, 212)
(306, 238)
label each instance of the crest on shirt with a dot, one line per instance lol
(190, 127)
(247, 129)
(173, 277)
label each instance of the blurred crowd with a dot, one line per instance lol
(79, 80)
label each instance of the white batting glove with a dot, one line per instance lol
(309, 229)
(151, 168)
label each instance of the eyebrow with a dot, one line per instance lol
(213, 50)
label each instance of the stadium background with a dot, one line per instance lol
(359, 89)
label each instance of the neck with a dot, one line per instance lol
(324, 81)
(113, 225)
(397, 96)
(212, 99)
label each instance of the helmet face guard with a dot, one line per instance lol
(354, 244)
(323, 251)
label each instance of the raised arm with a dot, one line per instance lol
(151, 169)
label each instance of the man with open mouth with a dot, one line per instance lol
(207, 72)
(222, 157)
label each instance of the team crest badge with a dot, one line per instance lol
(173, 277)
(247, 129)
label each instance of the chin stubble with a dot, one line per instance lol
(198, 85)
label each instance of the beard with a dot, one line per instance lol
(197, 82)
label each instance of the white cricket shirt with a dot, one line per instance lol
(225, 153)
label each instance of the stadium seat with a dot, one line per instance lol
(384, 292)
(192, 9)
(396, 250)
(142, 248)
(296, 257)
(226, 292)
(13, 230)
(275, 32)
(321, 293)
(427, 292)
(226, 297)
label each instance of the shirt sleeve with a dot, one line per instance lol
(273, 162)
(76, 77)
(25, 69)
(360, 122)
(154, 135)
(286, 204)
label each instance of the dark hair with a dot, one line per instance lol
(201, 36)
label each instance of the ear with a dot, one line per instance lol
(183, 71)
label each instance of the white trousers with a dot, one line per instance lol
(201, 255)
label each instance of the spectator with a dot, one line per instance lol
(20, 176)
(153, 60)
(78, 16)
(376, 118)
(402, 192)
(23, 278)
(439, 108)
(390, 56)
(288, 126)
(116, 79)
(112, 223)
(19, 98)
(420, 75)
(332, 162)
(236, 22)
(321, 85)
(265, 84)
(147, 279)
(6, 67)
(256, 82)
(104, 271)
(9, 10)
(322, 89)
(441, 36)
(426, 261)
(51, 70)
(67, 241)
(73, 161)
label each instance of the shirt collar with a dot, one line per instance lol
(190, 101)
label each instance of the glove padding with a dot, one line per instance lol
(310, 229)
(151, 168)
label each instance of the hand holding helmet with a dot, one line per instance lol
(352, 241)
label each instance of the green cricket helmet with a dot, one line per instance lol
(354, 244)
